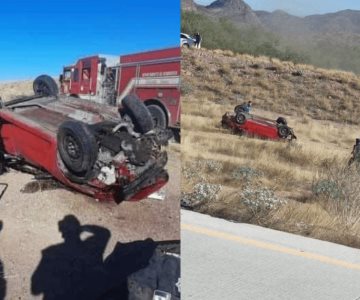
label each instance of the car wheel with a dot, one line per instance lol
(158, 115)
(238, 108)
(138, 113)
(44, 85)
(77, 147)
(281, 121)
(283, 131)
(240, 118)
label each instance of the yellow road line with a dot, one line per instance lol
(269, 246)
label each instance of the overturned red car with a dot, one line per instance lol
(245, 123)
(102, 151)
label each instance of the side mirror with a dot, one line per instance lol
(61, 78)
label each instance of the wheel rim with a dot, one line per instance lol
(72, 147)
(284, 132)
(240, 118)
(42, 89)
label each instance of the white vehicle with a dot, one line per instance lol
(186, 40)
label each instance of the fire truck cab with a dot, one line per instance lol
(154, 77)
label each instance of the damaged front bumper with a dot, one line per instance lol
(151, 178)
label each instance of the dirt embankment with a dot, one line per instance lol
(303, 187)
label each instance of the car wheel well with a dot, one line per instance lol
(161, 105)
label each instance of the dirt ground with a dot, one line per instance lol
(30, 224)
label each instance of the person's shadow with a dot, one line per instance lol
(75, 268)
(71, 270)
(2, 275)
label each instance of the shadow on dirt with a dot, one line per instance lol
(75, 269)
(2, 275)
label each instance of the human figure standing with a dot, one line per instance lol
(355, 153)
(198, 40)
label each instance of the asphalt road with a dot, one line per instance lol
(225, 260)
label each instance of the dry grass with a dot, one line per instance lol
(11, 90)
(282, 87)
(215, 81)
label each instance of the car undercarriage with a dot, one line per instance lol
(106, 152)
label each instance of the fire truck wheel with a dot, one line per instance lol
(44, 85)
(240, 118)
(281, 121)
(77, 147)
(158, 115)
(138, 113)
(283, 131)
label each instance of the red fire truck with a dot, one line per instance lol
(153, 76)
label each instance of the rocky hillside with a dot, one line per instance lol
(329, 40)
(342, 26)
(281, 87)
(235, 10)
(346, 22)
(188, 5)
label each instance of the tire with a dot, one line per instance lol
(239, 108)
(283, 131)
(186, 45)
(240, 118)
(77, 147)
(138, 113)
(44, 85)
(281, 121)
(158, 115)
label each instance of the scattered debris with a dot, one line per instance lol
(4, 188)
(159, 195)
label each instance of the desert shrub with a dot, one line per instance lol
(328, 188)
(202, 192)
(245, 173)
(196, 166)
(259, 198)
(338, 188)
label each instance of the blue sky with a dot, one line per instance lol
(299, 7)
(42, 36)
